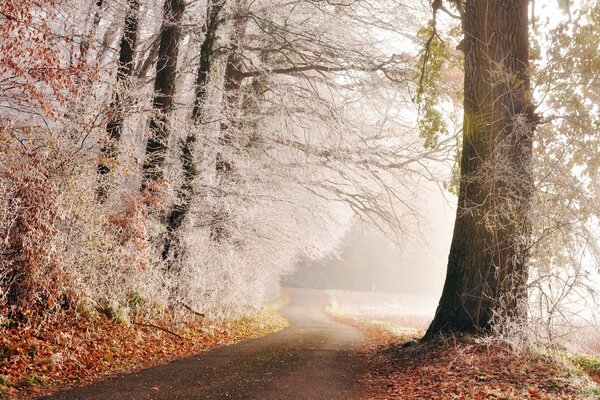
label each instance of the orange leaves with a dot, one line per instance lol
(74, 350)
(535, 393)
(132, 221)
(36, 68)
(28, 227)
(463, 370)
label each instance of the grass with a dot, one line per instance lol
(589, 364)
(32, 380)
(591, 393)
(5, 385)
(5, 381)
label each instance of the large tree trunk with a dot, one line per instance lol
(164, 88)
(185, 192)
(224, 165)
(114, 127)
(487, 267)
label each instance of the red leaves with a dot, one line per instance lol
(447, 370)
(76, 350)
(31, 55)
(132, 222)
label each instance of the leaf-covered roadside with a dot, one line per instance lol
(74, 352)
(460, 368)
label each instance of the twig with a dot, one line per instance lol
(158, 327)
(190, 309)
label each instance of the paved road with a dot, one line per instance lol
(314, 358)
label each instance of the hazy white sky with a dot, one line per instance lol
(419, 265)
(367, 260)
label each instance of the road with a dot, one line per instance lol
(314, 358)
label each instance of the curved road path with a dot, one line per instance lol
(314, 358)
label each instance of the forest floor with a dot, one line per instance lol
(74, 352)
(463, 368)
(314, 358)
(324, 351)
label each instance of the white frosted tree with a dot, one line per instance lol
(258, 131)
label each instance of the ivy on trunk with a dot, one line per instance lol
(487, 267)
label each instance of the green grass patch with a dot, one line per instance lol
(588, 364)
(591, 393)
(5, 384)
(5, 381)
(32, 380)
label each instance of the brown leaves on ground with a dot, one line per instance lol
(72, 351)
(460, 369)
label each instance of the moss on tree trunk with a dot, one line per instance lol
(487, 267)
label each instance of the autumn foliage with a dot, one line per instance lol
(460, 368)
(32, 57)
(75, 351)
(27, 216)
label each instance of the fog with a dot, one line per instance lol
(368, 261)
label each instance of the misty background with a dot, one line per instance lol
(368, 261)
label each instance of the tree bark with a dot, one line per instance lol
(207, 49)
(487, 266)
(233, 78)
(164, 88)
(114, 127)
(185, 192)
(224, 165)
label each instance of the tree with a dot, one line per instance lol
(487, 266)
(232, 83)
(164, 88)
(114, 126)
(39, 74)
(208, 53)
(270, 130)
(301, 128)
(565, 248)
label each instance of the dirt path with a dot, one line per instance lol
(314, 358)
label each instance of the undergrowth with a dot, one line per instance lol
(77, 351)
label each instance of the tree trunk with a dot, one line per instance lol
(185, 192)
(487, 267)
(224, 165)
(114, 127)
(164, 88)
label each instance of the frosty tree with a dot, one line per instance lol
(487, 267)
